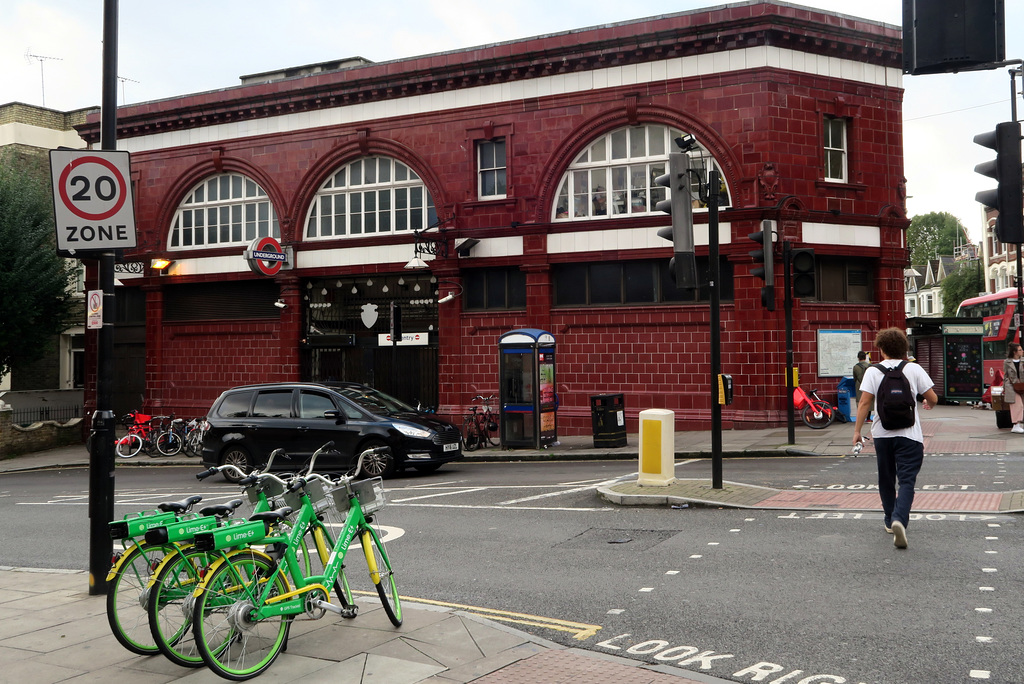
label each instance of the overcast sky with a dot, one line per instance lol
(53, 48)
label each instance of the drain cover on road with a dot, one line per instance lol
(600, 538)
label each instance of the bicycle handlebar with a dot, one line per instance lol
(312, 459)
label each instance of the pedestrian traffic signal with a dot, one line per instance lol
(765, 256)
(1008, 197)
(804, 276)
(683, 265)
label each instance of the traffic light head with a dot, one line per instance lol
(804, 275)
(678, 204)
(1008, 197)
(764, 256)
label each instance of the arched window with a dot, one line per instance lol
(615, 175)
(226, 209)
(370, 196)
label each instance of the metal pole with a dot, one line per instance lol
(716, 341)
(788, 306)
(1020, 283)
(101, 461)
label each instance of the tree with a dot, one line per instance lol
(964, 283)
(932, 235)
(36, 301)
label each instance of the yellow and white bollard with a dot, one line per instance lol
(657, 448)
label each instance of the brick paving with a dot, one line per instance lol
(567, 667)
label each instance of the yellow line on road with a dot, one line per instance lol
(579, 630)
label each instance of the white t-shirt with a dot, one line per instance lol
(919, 383)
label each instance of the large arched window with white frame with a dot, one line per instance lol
(225, 209)
(614, 176)
(370, 196)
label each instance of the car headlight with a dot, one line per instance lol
(413, 431)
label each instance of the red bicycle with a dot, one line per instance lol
(815, 411)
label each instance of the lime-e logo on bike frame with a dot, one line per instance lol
(265, 256)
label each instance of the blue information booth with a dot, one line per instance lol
(527, 397)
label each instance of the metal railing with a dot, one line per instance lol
(60, 413)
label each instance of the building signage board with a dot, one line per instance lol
(408, 340)
(265, 256)
(92, 200)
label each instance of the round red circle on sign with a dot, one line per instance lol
(266, 244)
(69, 202)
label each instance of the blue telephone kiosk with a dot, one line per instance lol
(528, 403)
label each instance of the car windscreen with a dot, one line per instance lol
(375, 401)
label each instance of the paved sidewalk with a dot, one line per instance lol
(53, 631)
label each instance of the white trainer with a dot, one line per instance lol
(1018, 428)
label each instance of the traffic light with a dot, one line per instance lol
(804, 277)
(766, 256)
(683, 265)
(1007, 197)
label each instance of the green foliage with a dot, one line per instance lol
(932, 235)
(35, 300)
(964, 283)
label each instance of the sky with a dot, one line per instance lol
(51, 55)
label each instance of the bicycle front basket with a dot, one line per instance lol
(370, 494)
(317, 496)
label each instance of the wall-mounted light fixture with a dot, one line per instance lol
(160, 264)
(430, 243)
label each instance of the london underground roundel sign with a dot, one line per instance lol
(265, 256)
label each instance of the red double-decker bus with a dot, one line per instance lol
(996, 311)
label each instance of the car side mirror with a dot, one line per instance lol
(337, 415)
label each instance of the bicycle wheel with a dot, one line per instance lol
(168, 443)
(490, 430)
(194, 443)
(818, 415)
(127, 598)
(381, 574)
(469, 427)
(171, 604)
(231, 642)
(128, 446)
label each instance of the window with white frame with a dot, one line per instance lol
(835, 148)
(370, 196)
(614, 175)
(911, 306)
(491, 167)
(226, 209)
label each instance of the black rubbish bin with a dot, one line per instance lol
(608, 414)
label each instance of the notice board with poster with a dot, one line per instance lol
(837, 352)
(963, 375)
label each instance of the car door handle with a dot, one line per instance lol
(252, 427)
(302, 428)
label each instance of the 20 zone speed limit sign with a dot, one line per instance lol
(92, 200)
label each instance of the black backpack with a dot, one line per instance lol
(895, 400)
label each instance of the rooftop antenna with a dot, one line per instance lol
(42, 60)
(122, 79)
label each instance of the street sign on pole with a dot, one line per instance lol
(92, 200)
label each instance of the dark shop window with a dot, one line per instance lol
(845, 279)
(633, 282)
(494, 288)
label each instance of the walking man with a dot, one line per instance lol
(900, 452)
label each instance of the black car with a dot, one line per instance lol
(247, 423)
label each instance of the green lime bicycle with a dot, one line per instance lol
(246, 602)
(170, 601)
(131, 569)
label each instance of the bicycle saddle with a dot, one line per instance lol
(180, 506)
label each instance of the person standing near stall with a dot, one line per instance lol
(1013, 385)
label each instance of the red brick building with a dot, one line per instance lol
(535, 161)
